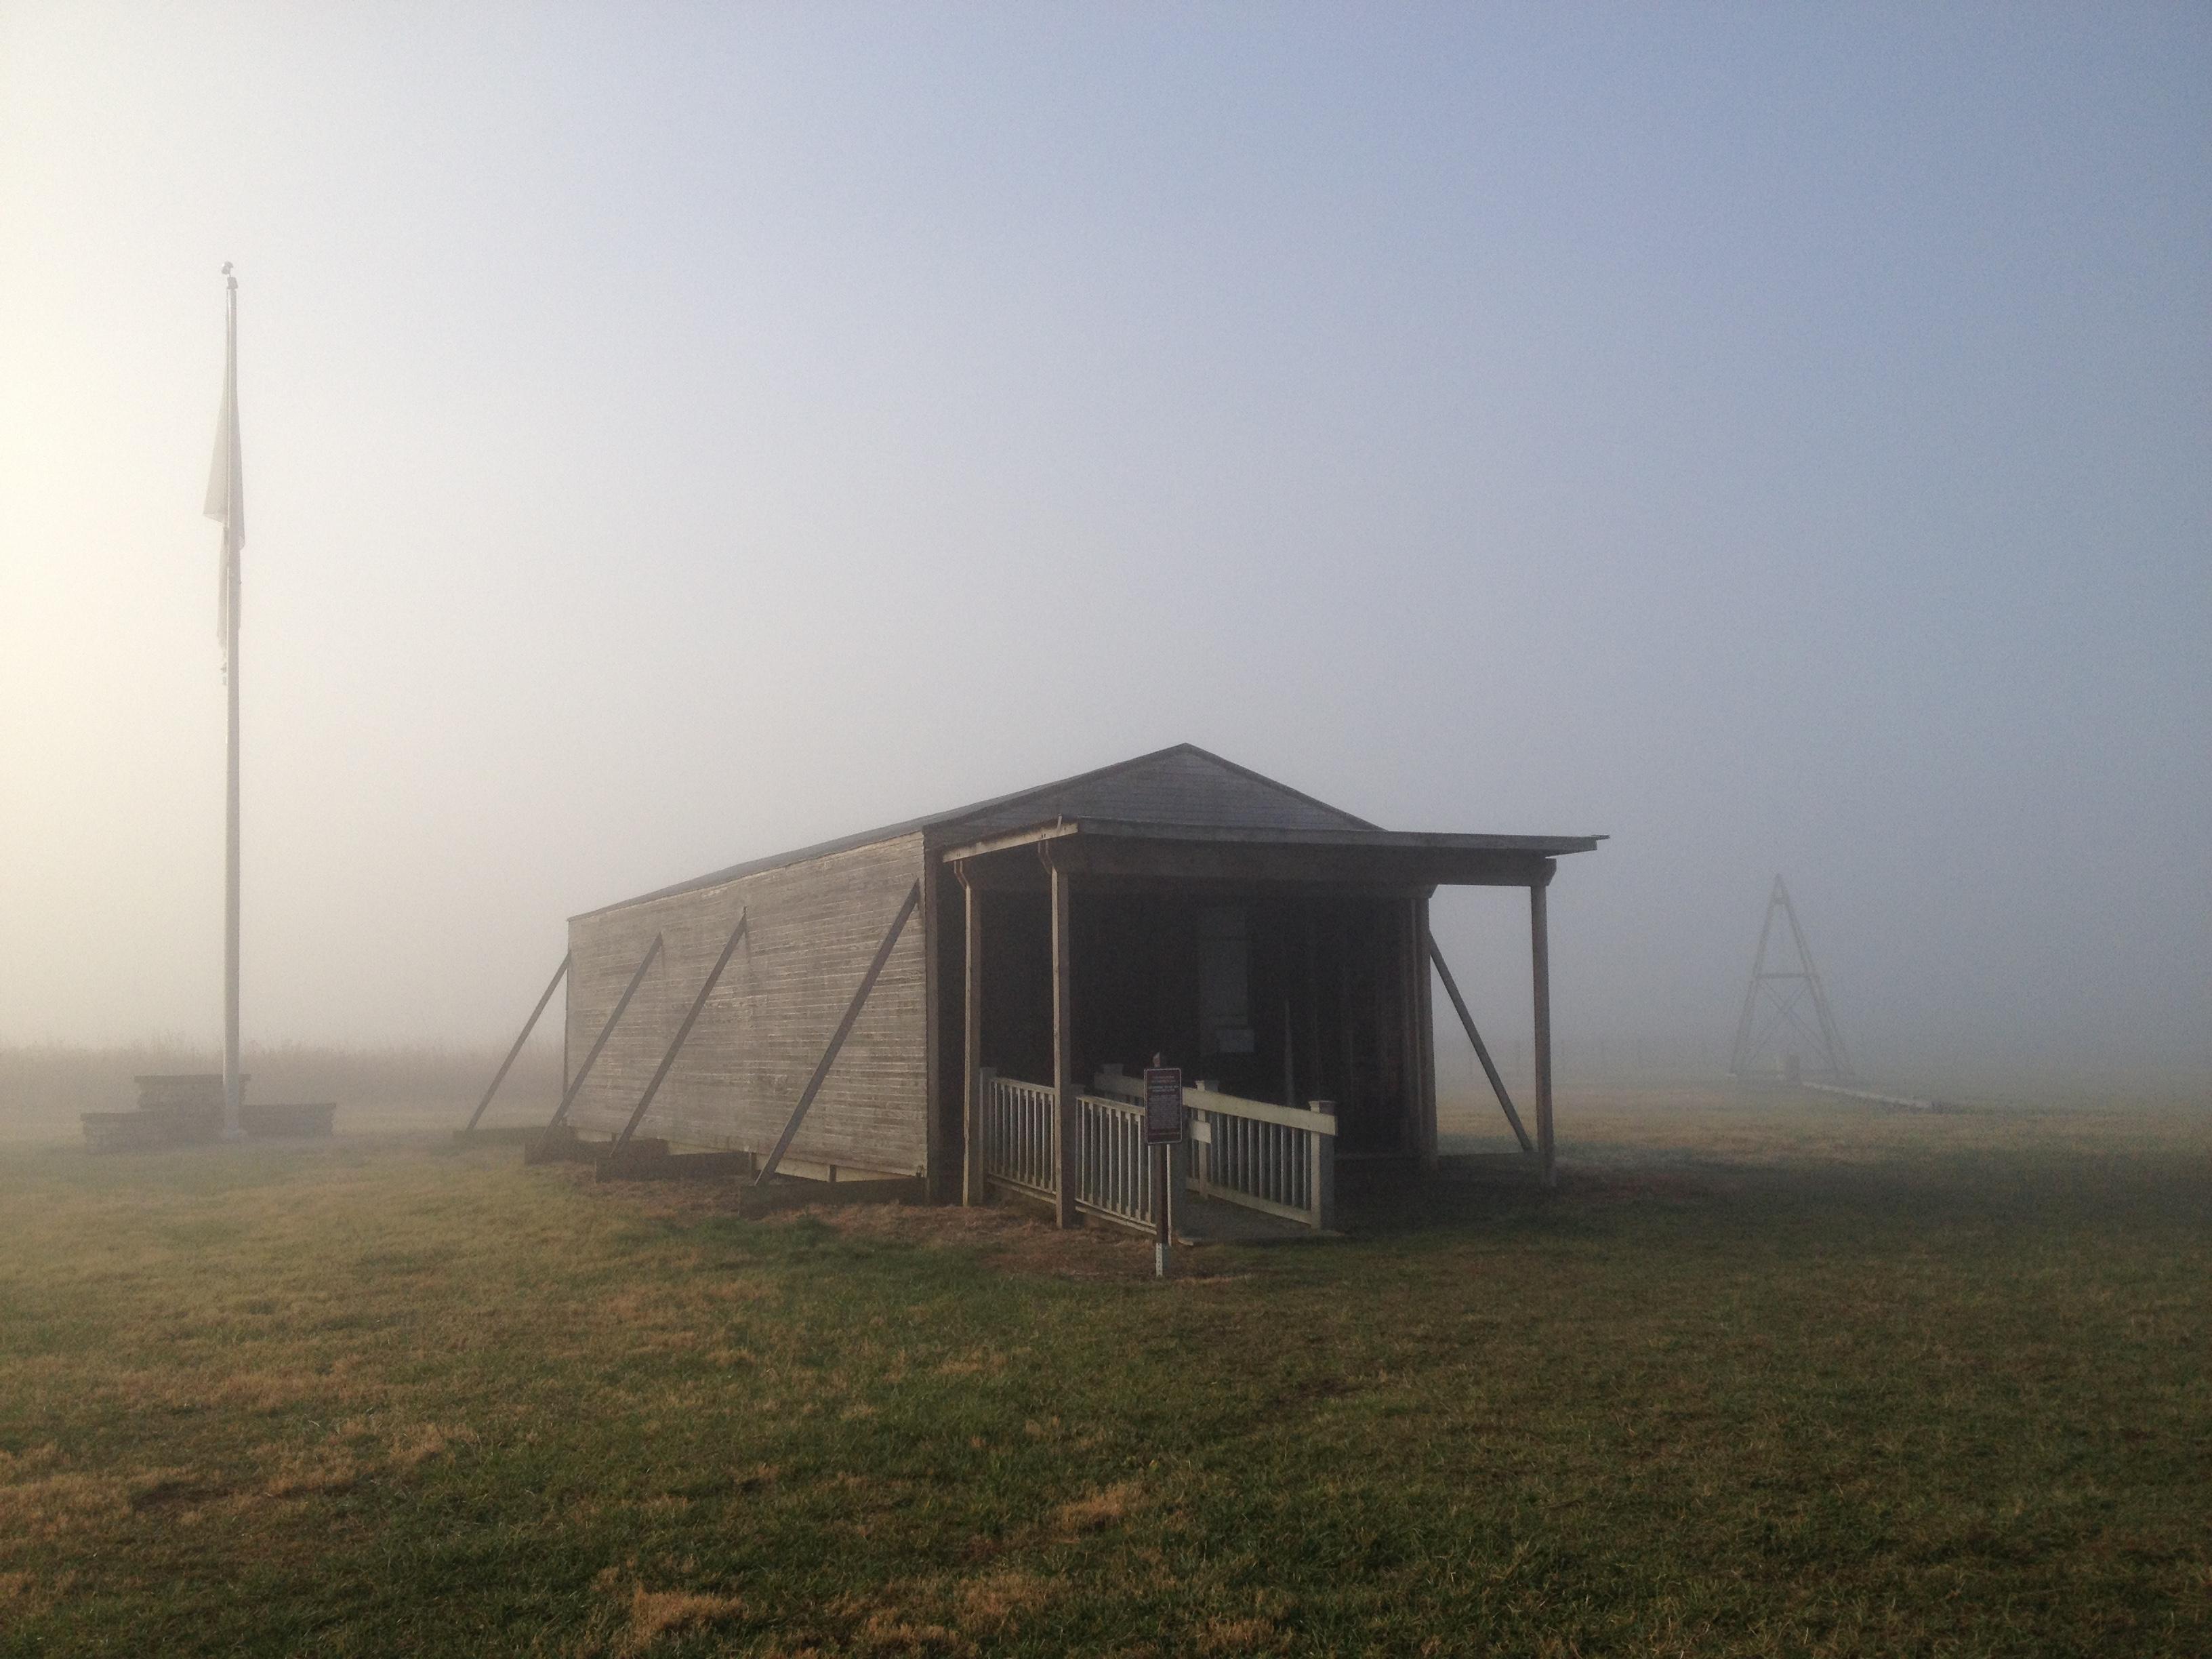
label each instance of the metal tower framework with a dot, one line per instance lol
(1776, 1000)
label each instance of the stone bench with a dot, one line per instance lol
(125, 1131)
(179, 1125)
(188, 1121)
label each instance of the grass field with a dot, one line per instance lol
(1764, 1377)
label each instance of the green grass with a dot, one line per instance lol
(1762, 1379)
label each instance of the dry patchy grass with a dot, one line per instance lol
(1094, 1511)
(1758, 1380)
(656, 1614)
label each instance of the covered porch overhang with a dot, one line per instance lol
(1333, 926)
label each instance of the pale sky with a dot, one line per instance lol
(1779, 438)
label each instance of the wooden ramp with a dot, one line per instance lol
(1210, 1221)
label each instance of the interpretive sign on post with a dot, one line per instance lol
(1164, 1113)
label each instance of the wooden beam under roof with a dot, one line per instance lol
(1008, 872)
(1401, 867)
(1094, 830)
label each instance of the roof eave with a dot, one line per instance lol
(1407, 839)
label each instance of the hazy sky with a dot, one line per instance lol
(1778, 437)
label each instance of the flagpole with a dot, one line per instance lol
(232, 1088)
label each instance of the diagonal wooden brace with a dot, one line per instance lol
(668, 1060)
(1481, 1050)
(576, 1083)
(844, 1029)
(528, 1026)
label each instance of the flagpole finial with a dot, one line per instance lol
(233, 281)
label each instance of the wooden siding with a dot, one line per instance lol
(814, 928)
(1177, 786)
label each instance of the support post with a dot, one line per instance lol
(1402, 936)
(227, 503)
(576, 1083)
(1347, 1035)
(1425, 1039)
(984, 1075)
(940, 1180)
(668, 1060)
(528, 1026)
(837, 1037)
(1313, 1003)
(971, 1071)
(1160, 1199)
(233, 1086)
(1539, 961)
(1481, 1049)
(1063, 1055)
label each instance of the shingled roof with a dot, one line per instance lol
(1184, 786)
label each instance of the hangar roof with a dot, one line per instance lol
(1183, 794)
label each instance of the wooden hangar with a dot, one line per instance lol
(963, 999)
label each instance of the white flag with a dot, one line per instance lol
(226, 494)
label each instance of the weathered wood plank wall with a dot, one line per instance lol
(814, 928)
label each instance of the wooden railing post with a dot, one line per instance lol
(1321, 1172)
(979, 1133)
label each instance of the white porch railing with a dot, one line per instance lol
(1021, 1132)
(1279, 1159)
(1021, 1124)
(1113, 1169)
(1275, 1158)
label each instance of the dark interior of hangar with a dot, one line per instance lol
(1281, 998)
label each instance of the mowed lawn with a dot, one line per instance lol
(1762, 1378)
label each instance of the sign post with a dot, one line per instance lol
(1164, 1128)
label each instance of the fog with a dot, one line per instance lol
(1776, 440)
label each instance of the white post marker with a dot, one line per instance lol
(1164, 1128)
(226, 503)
